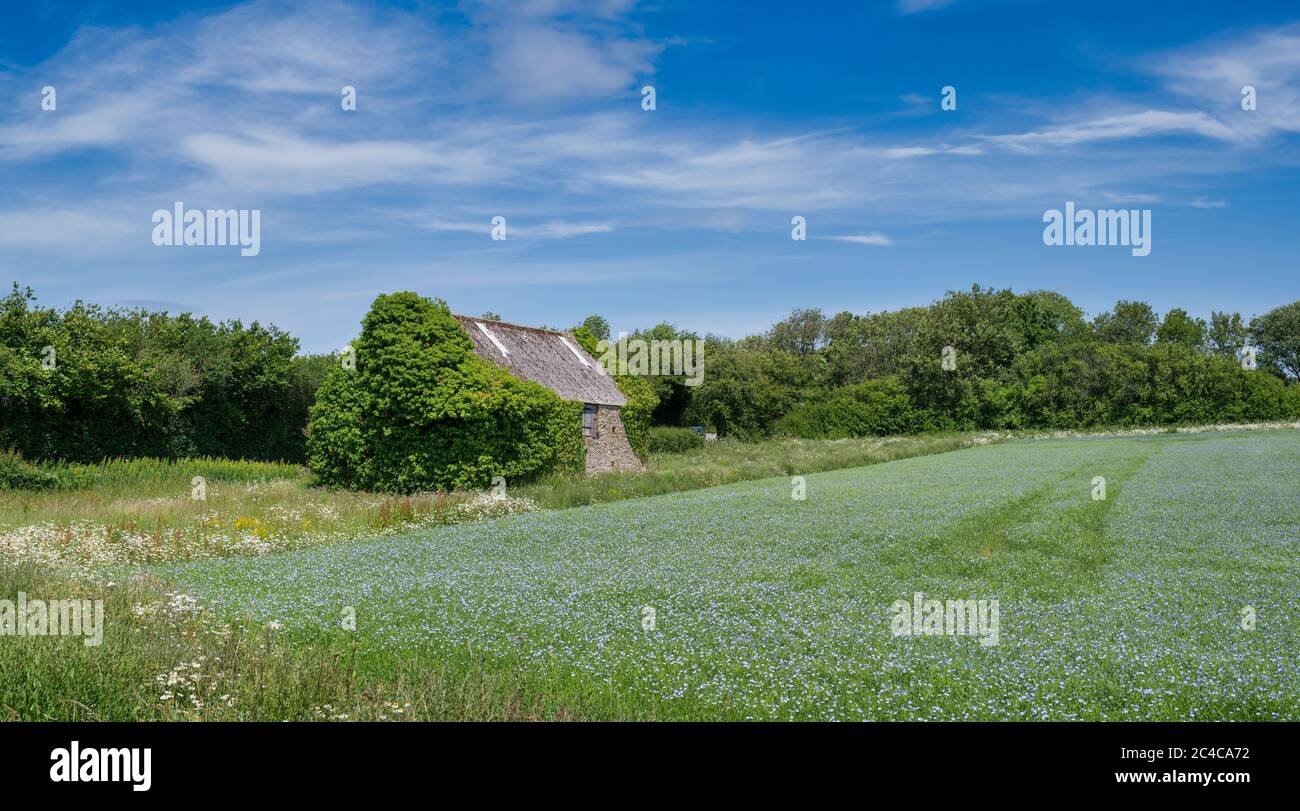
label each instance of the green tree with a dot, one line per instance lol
(862, 348)
(1053, 316)
(670, 390)
(1130, 322)
(747, 386)
(800, 333)
(1227, 334)
(983, 331)
(874, 408)
(636, 414)
(597, 326)
(1180, 328)
(1277, 334)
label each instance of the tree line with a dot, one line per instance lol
(88, 383)
(1030, 360)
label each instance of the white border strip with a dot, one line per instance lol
(575, 352)
(495, 342)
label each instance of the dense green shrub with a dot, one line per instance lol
(663, 439)
(987, 331)
(1089, 383)
(421, 411)
(748, 386)
(1022, 361)
(873, 408)
(135, 383)
(17, 473)
(1081, 384)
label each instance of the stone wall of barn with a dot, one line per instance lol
(610, 449)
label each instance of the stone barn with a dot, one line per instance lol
(558, 362)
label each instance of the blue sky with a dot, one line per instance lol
(531, 110)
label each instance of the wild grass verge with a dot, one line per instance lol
(163, 657)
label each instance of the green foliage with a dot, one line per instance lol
(87, 383)
(1088, 384)
(1226, 334)
(875, 408)
(130, 383)
(641, 402)
(671, 391)
(1180, 328)
(1131, 322)
(587, 340)
(420, 411)
(665, 439)
(1277, 333)
(988, 330)
(16, 474)
(597, 326)
(1056, 315)
(802, 333)
(748, 386)
(1184, 386)
(1079, 384)
(862, 348)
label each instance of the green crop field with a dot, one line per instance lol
(1177, 596)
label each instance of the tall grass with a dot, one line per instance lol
(134, 474)
(149, 511)
(163, 658)
(146, 510)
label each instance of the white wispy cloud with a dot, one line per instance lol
(1214, 74)
(288, 161)
(245, 103)
(558, 229)
(77, 231)
(873, 238)
(1124, 125)
(1130, 197)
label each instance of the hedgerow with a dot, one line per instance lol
(673, 440)
(874, 408)
(88, 383)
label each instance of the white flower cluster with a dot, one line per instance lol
(189, 686)
(486, 505)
